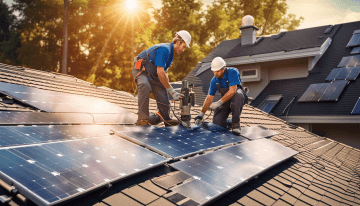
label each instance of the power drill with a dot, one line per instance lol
(186, 102)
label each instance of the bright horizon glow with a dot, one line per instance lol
(131, 4)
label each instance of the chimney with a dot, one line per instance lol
(248, 31)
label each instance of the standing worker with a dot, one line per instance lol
(150, 75)
(227, 81)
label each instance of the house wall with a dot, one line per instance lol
(276, 70)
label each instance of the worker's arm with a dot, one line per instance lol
(163, 77)
(207, 103)
(229, 94)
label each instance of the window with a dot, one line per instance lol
(250, 75)
(270, 102)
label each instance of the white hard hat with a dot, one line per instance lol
(185, 36)
(217, 64)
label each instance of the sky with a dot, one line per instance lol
(315, 12)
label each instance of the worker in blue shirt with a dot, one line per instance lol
(150, 74)
(227, 81)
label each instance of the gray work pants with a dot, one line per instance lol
(146, 85)
(233, 105)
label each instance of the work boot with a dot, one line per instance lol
(141, 122)
(172, 122)
(236, 129)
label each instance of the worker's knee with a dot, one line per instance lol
(144, 89)
(238, 99)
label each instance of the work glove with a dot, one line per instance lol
(198, 119)
(215, 105)
(175, 95)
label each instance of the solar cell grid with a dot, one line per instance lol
(350, 61)
(334, 90)
(53, 172)
(177, 141)
(220, 171)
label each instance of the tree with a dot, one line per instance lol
(9, 38)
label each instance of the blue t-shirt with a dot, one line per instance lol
(231, 74)
(163, 56)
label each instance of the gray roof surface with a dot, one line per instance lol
(324, 172)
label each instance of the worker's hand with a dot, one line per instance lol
(175, 95)
(215, 105)
(198, 119)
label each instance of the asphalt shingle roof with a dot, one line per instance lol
(324, 172)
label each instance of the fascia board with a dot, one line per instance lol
(310, 52)
(323, 119)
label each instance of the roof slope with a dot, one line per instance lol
(291, 40)
(292, 87)
(323, 173)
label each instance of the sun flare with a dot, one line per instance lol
(131, 4)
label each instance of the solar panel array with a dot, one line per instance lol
(51, 101)
(323, 91)
(54, 172)
(177, 142)
(355, 40)
(223, 170)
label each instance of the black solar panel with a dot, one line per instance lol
(357, 31)
(177, 142)
(350, 61)
(323, 92)
(356, 109)
(334, 90)
(354, 41)
(345, 73)
(218, 172)
(356, 50)
(257, 132)
(54, 172)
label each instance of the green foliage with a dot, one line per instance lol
(104, 36)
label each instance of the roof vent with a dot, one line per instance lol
(248, 31)
(279, 35)
(329, 29)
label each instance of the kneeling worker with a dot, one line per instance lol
(150, 75)
(227, 82)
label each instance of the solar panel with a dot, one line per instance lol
(357, 31)
(333, 74)
(30, 118)
(334, 90)
(345, 73)
(55, 172)
(220, 171)
(257, 132)
(349, 61)
(356, 50)
(313, 93)
(354, 41)
(177, 141)
(21, 135)
(356, 109)
(51, 101)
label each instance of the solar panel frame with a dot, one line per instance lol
(31, 184)
(234, 156)
(178, 142)
(356, 109)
